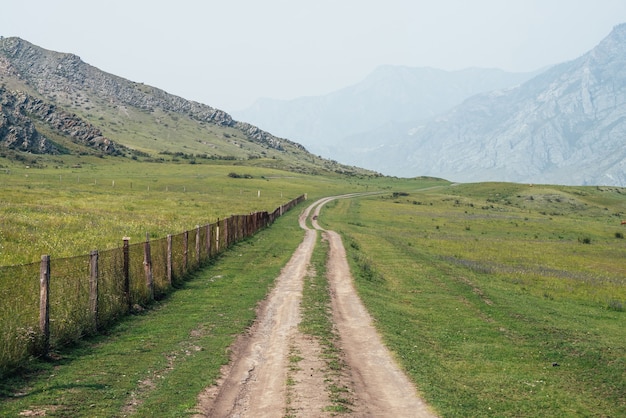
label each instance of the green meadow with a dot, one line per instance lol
(69, 209)
(497, 299)
(156, 362)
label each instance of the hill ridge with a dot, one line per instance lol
(64, 77)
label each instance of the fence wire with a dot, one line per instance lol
(19, 314)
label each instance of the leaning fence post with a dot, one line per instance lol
(169, 259)
(126, 251)
(93, 288)
(44, 302)
(147, 266)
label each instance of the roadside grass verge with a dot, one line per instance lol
(317, 321)
(488, 298)
(157, 362)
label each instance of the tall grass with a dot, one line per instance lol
(491, 301)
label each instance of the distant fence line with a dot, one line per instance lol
(80, 295)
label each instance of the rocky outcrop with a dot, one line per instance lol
(17, 130)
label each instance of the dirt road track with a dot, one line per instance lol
(254, 384)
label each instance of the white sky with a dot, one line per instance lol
(228, 53)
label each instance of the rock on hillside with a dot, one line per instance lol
(18, 132)
(565, 126)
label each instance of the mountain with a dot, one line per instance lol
(389, 95)
(565, 126)
(53, 102)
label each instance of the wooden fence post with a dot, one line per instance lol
(169, 259)
(44, 303)
(208, 241)
(186, 250)
(217, 236)
(93, 288)
(147, 267)
(225, 232)
(198, 245)
(126, 251)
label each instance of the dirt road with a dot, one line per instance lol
(255, 383)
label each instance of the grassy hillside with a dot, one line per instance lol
(152, 124)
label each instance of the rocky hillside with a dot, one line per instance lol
(59, 93)
(17, 130)
(565, 126)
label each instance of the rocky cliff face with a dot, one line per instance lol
(65, 78)
(17, 130)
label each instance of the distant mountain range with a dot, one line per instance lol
(564, 125)
(389, 95)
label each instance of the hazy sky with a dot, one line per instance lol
(228, 53)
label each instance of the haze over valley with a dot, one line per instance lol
(563, 125)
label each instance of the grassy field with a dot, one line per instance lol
(64, 211)
(498, 299)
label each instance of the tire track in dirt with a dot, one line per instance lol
(254, 384)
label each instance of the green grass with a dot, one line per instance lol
(156, 363)
(489, 299)
(64, 211)
(69, 211)
(479, 289)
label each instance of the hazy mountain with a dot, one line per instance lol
(391, 94)
(53, 102)
(565, 126)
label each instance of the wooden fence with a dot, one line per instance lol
(81, 295)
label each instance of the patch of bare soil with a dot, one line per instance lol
(306, 376)
(276, 371)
